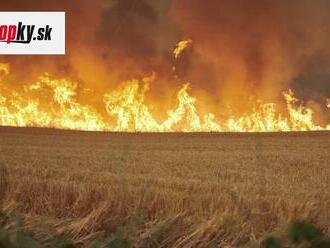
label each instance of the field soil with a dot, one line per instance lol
(166, 190)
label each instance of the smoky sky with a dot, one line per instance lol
(258, 46)
(240, 48)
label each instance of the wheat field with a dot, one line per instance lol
(165, 190)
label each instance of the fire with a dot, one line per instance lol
(62, 111)
(265, 118)
(128, 106)
(180, 47)
(54, 103)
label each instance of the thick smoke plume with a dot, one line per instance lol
(240, 48)
(258, 46)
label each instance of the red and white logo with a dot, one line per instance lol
(32, 33)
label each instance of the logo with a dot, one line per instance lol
(23, 33)
(32, 33)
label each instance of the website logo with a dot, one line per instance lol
(32, 33)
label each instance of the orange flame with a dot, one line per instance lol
(53, 103)
(180, 47)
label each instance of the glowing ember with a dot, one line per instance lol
(180, 47)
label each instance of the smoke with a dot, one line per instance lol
(240, 48)
(107, 41)
(81, 22)
(258, 47)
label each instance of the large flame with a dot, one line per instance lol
(54, 103)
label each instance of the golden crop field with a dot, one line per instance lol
(165, 190)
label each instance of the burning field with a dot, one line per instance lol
(208, 125)
(54, 103)
(183, 66)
